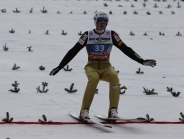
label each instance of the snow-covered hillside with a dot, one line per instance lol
(48, 50)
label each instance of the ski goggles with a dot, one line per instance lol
(102, 19)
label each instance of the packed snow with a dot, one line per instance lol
(48, 50)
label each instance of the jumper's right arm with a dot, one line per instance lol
(71, 53)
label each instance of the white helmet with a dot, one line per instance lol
(101, 14)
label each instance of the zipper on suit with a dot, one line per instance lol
(99, 61)
(98, 65)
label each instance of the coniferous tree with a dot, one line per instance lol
(7, 119)
(71, 90)
(44, 85)
(16, 89)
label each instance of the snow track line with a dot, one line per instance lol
(72, 123)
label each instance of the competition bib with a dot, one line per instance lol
(99, 47)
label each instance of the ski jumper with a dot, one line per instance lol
(98, 68)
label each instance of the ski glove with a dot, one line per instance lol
(54, 71)
(149, 62)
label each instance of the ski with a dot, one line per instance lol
(119, 119)
(86, 121)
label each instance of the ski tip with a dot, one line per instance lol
(70, 113)
(108, 126)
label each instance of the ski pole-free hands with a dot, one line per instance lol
(149, 62)
(54, 71)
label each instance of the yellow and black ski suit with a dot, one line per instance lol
(98, 68)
